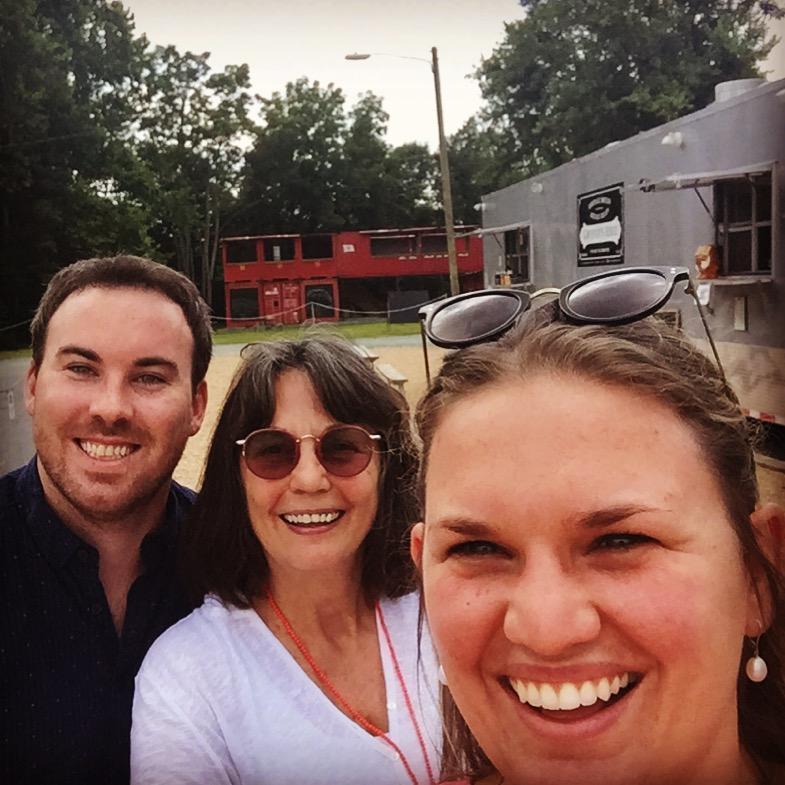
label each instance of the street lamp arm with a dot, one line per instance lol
(444, 165)
(367, 55)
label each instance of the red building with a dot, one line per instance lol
(286, 278)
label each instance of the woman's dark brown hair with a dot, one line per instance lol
(653, 359)
(220, 552)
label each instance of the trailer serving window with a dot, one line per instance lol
(742, 213)
(743, 217)
(516, 254)
(514, 258)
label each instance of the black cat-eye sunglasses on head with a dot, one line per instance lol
(611, 297)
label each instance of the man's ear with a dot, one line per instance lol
(31, 377)
(416, 543)
(198, 406)
(768, 523)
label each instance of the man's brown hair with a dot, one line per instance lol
(128, 272)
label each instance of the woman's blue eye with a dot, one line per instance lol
(620, 542)
(475, 548)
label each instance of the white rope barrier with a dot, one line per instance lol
(331, 308)
(279, 314)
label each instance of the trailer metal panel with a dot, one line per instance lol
(667, 215)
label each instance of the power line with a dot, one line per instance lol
(45, 140)
(18, 324)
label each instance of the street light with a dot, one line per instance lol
(449, 227)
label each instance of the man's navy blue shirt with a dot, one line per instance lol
(66, 677)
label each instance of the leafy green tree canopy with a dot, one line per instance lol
(573, 76)
(482, 159)
(294, 170)
(66, 69)
(317, 166)
(190, 124)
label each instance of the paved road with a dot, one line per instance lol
(16, 438)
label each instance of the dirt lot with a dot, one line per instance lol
(772, 485)
(408, 360)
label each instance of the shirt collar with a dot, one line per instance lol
(58, 543)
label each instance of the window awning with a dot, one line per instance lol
(494, 229)
(678, 181)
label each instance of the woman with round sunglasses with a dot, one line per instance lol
(603, 585)
(303, 665)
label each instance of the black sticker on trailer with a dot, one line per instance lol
(601, 226)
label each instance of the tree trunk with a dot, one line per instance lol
(205, 277)
(213, 253)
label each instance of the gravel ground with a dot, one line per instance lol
(408, 360)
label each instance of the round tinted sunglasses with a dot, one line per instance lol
(611, 297)
(343, 450)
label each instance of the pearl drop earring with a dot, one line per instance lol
(756, 668)
(442, 676)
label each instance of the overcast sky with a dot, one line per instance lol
(282, 40)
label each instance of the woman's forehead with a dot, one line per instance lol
(581, 411)
(560, 439)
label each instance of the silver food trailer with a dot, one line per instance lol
(705, 192)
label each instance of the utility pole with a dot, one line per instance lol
(449, 225)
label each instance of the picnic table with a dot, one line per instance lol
(392, 375)
(364, 352)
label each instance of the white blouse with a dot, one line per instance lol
(220, 701)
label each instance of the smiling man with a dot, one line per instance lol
(87, 529)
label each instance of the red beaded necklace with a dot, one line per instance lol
(355, 715)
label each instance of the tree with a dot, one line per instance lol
(317, 168)
(190, 123)
(573, 76)
(385, 187)
(412, 174)
(365, 189)
(481, 160)
(294, 173)
(65, 69)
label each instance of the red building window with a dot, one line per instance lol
(241, 252)
(278, 249)
(317, 246)
(244, 303)
(393, 245)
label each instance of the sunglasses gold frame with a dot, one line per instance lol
(373, 437)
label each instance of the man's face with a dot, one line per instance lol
(112, 402)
